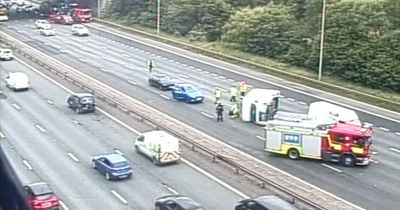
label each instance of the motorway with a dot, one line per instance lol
(122, 64)
(58, 145)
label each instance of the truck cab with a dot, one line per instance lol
(259, 105)
(61, 19)
(81, 15)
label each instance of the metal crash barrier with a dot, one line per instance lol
(300, 191)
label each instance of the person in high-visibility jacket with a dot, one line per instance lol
(234, 93)
(150, 64)
(234, 111)
(217, 94)
(243, 89)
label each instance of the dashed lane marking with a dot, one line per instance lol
(72, 156)
(164, 96)
(184, 76)
(26, 163)
(132, 82)
(16, 106)
(332, 168)
(383, 129)
(1, 135)
(119, 196)
(394, 150)
(261, 138)
(40, 128)
(207, 115)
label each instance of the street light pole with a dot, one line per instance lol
(98, 9)
(158, 16)
(322, 39)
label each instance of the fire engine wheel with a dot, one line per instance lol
(293, 154)
(348, 161)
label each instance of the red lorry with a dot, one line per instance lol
(81, 15)
(61, 19)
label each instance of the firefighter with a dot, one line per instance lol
(234, 93)
(150, 64)
(217, 94)
(243, 89)
(234, 111)
(219, 108)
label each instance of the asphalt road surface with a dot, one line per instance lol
(122, 64)
(58, 145)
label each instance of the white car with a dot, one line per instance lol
(42, 24)
(79, 30)
(3, 17)
(47, 32)
(17, 81)
(6, 54)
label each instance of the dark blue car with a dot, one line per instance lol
(187, 92)
(112, 166)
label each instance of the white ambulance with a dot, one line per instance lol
(160, 146)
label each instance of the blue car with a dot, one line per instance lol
(112, 166)
(187, 92)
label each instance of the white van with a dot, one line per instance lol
(17, 81)
(159, 146)
(6, 54)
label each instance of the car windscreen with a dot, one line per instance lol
(87, 100)
(191, 89)
(164, 78)
(120, 165)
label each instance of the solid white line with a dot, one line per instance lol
(332, 168)
(72, 156)
(64, 207)
(119, 196)
(118, 152)
(50, 102)
(1, 135)
(216, 179)
(26, 163)
(172, 190)
(207, 115)
(184, 76)
(261, 138)
(40, 128)
(16, 107)
(103, 69)
(394, 150)
(164, 96)
(384, 129)
(132, 82)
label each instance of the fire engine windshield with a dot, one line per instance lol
(362, 141)
(87, 12)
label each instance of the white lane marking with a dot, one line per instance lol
(164, 96)
(126, 55)
(374, 161)
(332, 168)
(61, 51)
(291, 99)
(26, 163)
(184, 65)
(165, 58)
(152, 54)
(263, 80)
(184, 76)
(215, 179)
(302, 103)
(129, 67)
(206, 72)
(118, 152)
(223, 90)
(104, 47)
(374, 152)
(16, 106)
(119, 196)
(1, 135)
(103, 69)
(132, 82)
(20, 32)
(206, 114)
(370, 124)
(72, 156)
(177, 62)
(64, 207)
(172, 190)
(76, 121)
(214, 75)
(45, 43)
(119, 121)
(384, 129)
(231, 80)
(394, 150)
(261, 138)
(199, 70)
(148, 53)
(81, 60)
(397, 133)
(158, 56)
(171, 60)
(40, 128)
(191, 67)
(222, 77)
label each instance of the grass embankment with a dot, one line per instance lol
(388, 100)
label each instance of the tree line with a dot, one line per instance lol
(362, 37)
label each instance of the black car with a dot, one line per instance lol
(161, 81)
(81, 103)
(264, 203)
(177, 202)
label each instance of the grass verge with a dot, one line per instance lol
(223, 51)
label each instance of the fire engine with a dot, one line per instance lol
(345, 143)
(259, 105)
(80, 15)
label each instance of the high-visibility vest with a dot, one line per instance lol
(233, 91)
(218, 94)
(150, 62)
(235, 109)
(243, 88)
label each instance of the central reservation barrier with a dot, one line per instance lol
(299, 190)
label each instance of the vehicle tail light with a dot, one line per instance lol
(45, 204)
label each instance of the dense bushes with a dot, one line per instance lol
(361, 41)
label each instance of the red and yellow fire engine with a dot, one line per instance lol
(341, 142)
